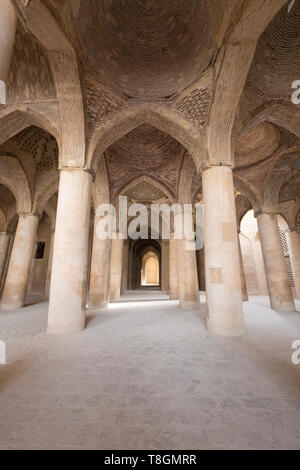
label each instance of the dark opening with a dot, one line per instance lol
(40, 251)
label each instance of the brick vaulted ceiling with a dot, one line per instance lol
(145, 151)
(169, 53)
(149, 49)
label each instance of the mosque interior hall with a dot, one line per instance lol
(149, 338)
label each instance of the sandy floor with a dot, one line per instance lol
(146, 375)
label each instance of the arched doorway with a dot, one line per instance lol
(144, 265)
(150, 270)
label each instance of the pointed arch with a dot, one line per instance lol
(249, 191)
(13, 176)
(46, 187)
(281, 172)
(63, 61)
(146, 179)
(162, 118)
(279, 114)
(186, 180)
(15, 119)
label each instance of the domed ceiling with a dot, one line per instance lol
(145, 191)
(149, 48)
(145, 151)
(291, 188)
(39, 144)
(256, 145)
(145, 147)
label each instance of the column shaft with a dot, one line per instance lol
(7, 38)
(280, 292)
(49, 267)
(242, 272)
(116, 268)
(70, 254)
(20, 262)
(100, 271)
(294, 251)
(189, 294)
(125, 268)
(173, 269)
(260, 268)
(222, 264)
(164, 266)
(4, 244)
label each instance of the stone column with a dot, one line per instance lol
(20, 262)
(164, 265)
(100, 270)
(49, 266)
(280, 292)
(125, 268)
(242, 272)
(70, 253)
(189, 294)
(4, 243)
(173, 270)
(222, 263)
(294, 251)
(116, 268)
(29, 289)
(8, 22)
(260, 267)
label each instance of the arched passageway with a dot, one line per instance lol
(144, 265)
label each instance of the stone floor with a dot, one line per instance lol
(146, 375)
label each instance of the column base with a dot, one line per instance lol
(288, 307)
(215, 329)
(12, 305)
(65, 330)
(98, 306)
(190, 304)
(174, 297)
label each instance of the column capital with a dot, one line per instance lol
(208, 166)
(270, 211)
(29, 214)
(77, 168)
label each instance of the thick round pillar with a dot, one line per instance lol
(280, 292)
(4, 244)
(222, 263)
(164, 265)
(100, 271)
(116, 268)
(125, 268)
(49, 267)
(7, 38)
(20, 262)
(294, 251)
(173, 270)
(70, 253)
(189, 294)
(242, 273)
(260, 267)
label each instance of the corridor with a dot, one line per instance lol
(148, 375)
